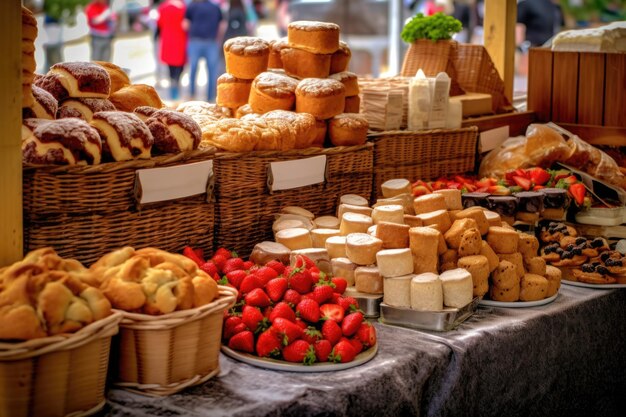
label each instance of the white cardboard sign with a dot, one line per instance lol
(294, 174)
(170, 183)
(492, 138)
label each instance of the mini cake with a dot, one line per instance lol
(529, 206)
(246, 56)
(323, 98)
(320, 236)
(316, 37)
(438, 218)
(267, 251)
(388, 213)
(344, 267)
(555, 203)
(353, 199)
(428, 203)
(397, 291)
(426, 292)
(533, 287)
(276, 45)
(505, 206)
(349, 208)
(348, 129)
(475, 199)
(505, 276)
(424, 242)
(340, 59)
(336, 246)
(124, 136)
(454, 234)
(232, 92)
(478, 215)
(394, 262)
(298, 238)
(326, 222)
(516, 259)
(300, 63)
(271, 91)
(394, 187)
(453, 197)
(354, 223)
(478, 266)
(502, 240)
(393, 235)
(173, 131)
(362, 248)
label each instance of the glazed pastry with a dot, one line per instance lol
(86, 107)
(44, 107)
(554, 232)
(124, 136)
(83, 79)
(173, 131)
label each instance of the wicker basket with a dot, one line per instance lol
(162, 355)
(59, 375)
(424, 155)
(246, 208)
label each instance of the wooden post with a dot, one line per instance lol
(11, 244)
(499, 39)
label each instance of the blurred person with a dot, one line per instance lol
(203, 24)
(241, 19)
(537, 22)
(101, 21)
(283, 17)
(173, 41)
(53, 42)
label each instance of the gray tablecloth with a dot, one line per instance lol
(566, 358)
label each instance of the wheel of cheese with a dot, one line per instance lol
(353, 199)
(553, 275)
(350, 208)
(397, 291)
(404, 200)
(367, 279)
(362, 248)
(394, 262)
(478, 214)
(412, 221)
(502, 240)
(424, 242)
(392, 214)
(392, 188)
(372, 230)
(298, 238)
(336, 246)
(426, 292)
(429, 202)
(452, 197)
(354, 223)
(287, 224)
(326, 222)
(455, 232)
(457, 287)
(319, 236)
(493, 218)
(343, 267)
(393, 235)
(440, 218)
(298, 211)
(317, 255)
(478, 266)
(267, 251)
(516, 259)
(487, 252)
(287, 216)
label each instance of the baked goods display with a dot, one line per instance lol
(124, 136)
(323, 98)
(45, 106)
(135, 95)
(173, 131)
(272, 91)
(46, 295)
(246, 56)
(232, 92)
(29, 34)
(83, 108)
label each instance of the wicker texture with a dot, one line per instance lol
(59, 375)
(245, 208)
(162, 355)
(424, 155)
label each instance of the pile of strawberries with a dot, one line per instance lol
(295, 313)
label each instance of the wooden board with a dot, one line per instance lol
(564, 86)
(615, 96)
(517, 122)
(590, 88)
(540, 83)
(499, 39)
(598, 135)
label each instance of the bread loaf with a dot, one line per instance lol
(316, 37)
(246, 56)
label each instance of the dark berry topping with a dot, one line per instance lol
(580, 240)
(602, 270)
(588, 268)
(567, 255)
(597, 242)
(604, 256)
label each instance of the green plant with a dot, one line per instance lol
(436, 27)
(63, 9)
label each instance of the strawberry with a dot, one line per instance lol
(292, 297)
(299, 352)
(243, 341)
(210, 268)
(356, 344)
(570, 179)
(301, 324)
(219, 261)
(189, 253)
(267, 312)
(249, 283)
(322, 293)
(247, 265)
(311, 334)
(304, 262)
(522, 182)
(335, 299)
(340, 284)
(538, 187)
(276, 266)
(235, 278)
(520, 172)
(577, 191)
(286, 330)
(268, 344)
(199, 252)
(342, 352)
(257, 298)
(322, 350)
(299, 279)
(498, 190)
(282, 310)
(225, 253)
(265, 274)
(229, 326)
(331, 331)
(232, 264)
(419, 190)
(351, 323)
(366, 334)
(348, 303)
(332, 312)
(253, 318)
(276, 288)
(539, 176)
(308, 310)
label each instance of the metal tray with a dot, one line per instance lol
(441, 321)
(368, 303)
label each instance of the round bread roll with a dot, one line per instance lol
(136, 95)
(323, 98)
(173, 131)
(508, 295)
(478, 266)
(316, 37)
(232, 92)
(86, 107)
(271, 91)
(553, 275)
(336, 246)
(321, 128)
(276, 45)
(457, 287)
(124, 136)
(353, 105)
(303, 123)
(276, 134)
(536, 265)
(300, 63)
(394, 187)
(83, 79)
(349, 81)
(119, 78)
(145, 112)
(44, 106)
(340, 59)
(354, 223)
(246, 56)
(348, 129)
(429, 202)
(533, 287)
(516, 259)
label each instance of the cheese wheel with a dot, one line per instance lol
(426, 292)
(452, 197)
(326, 222)
(553, 275)
(288, 224)
(439, 218)
(343, 267)
(391, 214)
(367, 279)
(516, 259)
(478, 214)
(354, 223)
(319, 236)
(412, 221)
(455, 232)
(393, 235)
(349, 208)
(458, 287)
(424, 242)
(297, 211)
(429, 202)
(392, 188)
(397, 291)
(502, 240)
(361, 248)
(353, 199)
(404, 200)
(478, 266)
(298, 238)
(317, 255)
(527, 245)
(372, 230)
(267, 251)
(487, 252)
(394, 262)
(493, 218)
(336, 246)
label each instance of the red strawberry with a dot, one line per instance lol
(247, 265)
(308, 310)
(299, 352)
(243, 341)
(311, 334)
(219, 261)
(301, 324)
(304, 262)
(224, 252)
(257, 298)
(268, 344)
(235, 278)
(340, 284)
(276, 288)
(199, 252)
(265, 274)
(332, 312)
(539, 176)
(276, 266)
(210, 268)
(335, 299)
(292, 297)
(351, 323)
(348, 303)
(253, 318)
(331, 331)
(286, 330)
(282, 310)
(366, 334)
(229, 326)
(522, 182)
(356, 344)
(577, 191)
(299, 279)
(267, 312)
(249, 283)
(322, 350)
(232, 264)
(322, 293)
(342, 352)
(189, 253)
(317, 276)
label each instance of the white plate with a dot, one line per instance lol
(518, 304)
(597, 286)
(278, 365)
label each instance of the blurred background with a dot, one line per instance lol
(64, 29)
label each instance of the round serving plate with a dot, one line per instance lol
(596, 286)
(518, 304)
(277, 365)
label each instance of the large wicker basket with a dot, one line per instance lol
(245, 206)
(59, 375)
(84, 212)
(162, 355)
(424, 155)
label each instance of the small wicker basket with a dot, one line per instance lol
(162, 355)
(59, 375)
